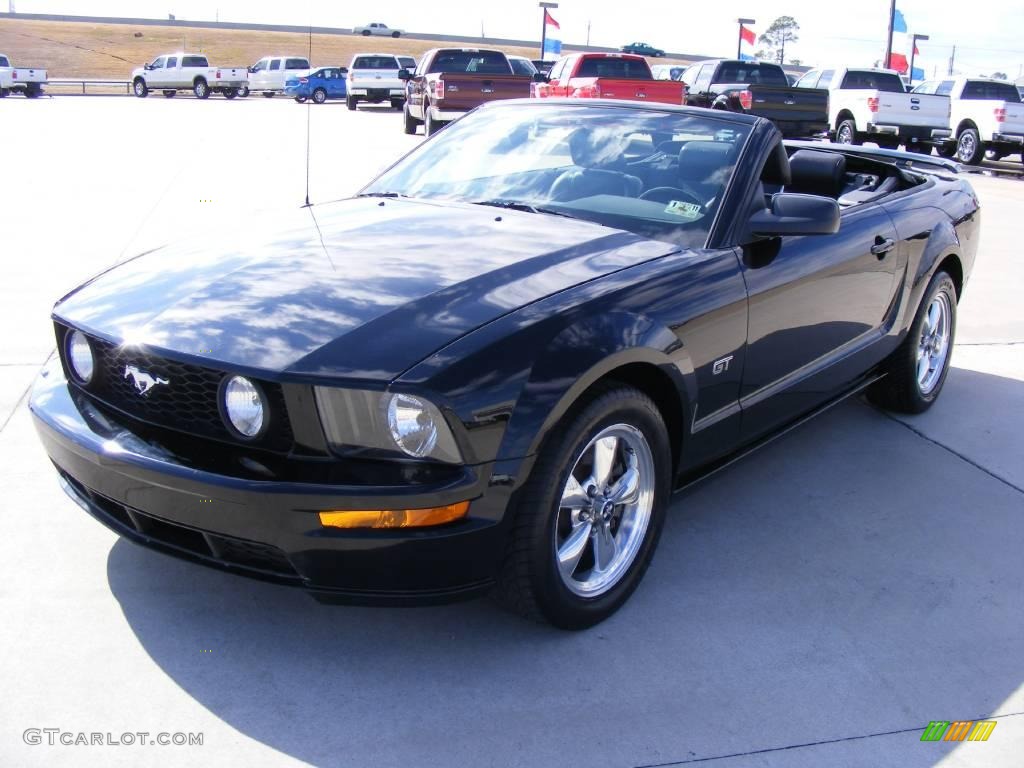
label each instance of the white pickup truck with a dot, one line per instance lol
(270, 73)
(373, 77)
(986, 117)
(181, 71)
(28, 81)
(873, 105)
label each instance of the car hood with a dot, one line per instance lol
(360, 288)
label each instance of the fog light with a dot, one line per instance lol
(394, 518)
(79, 356)
(244, 406)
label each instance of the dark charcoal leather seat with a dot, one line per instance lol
(596, 171)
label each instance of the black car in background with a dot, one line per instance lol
(490, 369)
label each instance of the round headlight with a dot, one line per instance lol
(79, 356)
(244, 406)
(412, 425)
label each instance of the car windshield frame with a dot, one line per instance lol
(586, 162)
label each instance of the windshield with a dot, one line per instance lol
(375, 62)
(613, 67)
(751, 73)
(482, 62)
(658, 174)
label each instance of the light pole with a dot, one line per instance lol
(739, 42)
(913, 50)
(544, 24)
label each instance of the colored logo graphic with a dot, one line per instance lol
(958, 730)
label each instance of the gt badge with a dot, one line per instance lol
(721, 365)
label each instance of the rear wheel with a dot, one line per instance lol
(319, 95)
(268, 94)
(411, 123)
(32, 91)
(230, 93)
(300, 99)
(969, 149)
(200, 89)
(430, 125)
(946, 150)
(366, 33)
(140, 88)
(396, 34)
(169, 94)
(917, 369)
(351, 102)
(846, 132)
(3, 93)
(588, 519)
(994, 155)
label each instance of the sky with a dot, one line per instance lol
(831, 33)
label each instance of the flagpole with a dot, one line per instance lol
(544, 25)
(739, 42)
(888, 45)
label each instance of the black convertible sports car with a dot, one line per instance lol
(491, 368)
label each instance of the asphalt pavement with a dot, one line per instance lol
(816, 604)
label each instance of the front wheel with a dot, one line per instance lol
(588, 519)
(319, 95)
(140, 88)
(396, 34)
(969, 149)
(846, 132)
(917, 369)
(201, 89)
(243, 92)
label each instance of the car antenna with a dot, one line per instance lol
(309, 102)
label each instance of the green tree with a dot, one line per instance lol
(774, 39)
(999, 76)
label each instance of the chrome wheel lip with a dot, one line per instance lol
(605, 515)
(844, 135)
(933, 343)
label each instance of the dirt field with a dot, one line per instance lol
(111, 51)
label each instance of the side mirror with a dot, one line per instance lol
(540, 77)
(795, 214)
(147, 66)
(404, 74)
(343, 70)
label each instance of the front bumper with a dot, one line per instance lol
(269, 529)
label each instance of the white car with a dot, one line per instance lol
(270, 73)
(873, 105)
(667, 71)
(376, 28)
(985, 116)
(173, 72)
(28, 81)
(522, 65)
(373, 78)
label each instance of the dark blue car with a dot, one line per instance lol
(319, 85)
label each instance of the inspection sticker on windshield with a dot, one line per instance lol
(686, 210)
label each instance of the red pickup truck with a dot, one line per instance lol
(608, 76)
(451, 81)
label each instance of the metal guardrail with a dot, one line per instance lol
(126, 84)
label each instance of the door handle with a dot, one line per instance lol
(882, 246)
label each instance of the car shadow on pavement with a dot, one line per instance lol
(852, 578)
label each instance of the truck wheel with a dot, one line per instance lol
(846, 133)
(243, 92)
(969, 148)
(994, 155)
(946, 150)
(230, 93)
(396, 34)
(201, 89)
(397, 104)
(268, 94)
(411, 123)
(140, 88)
(319, 95)
(351, 102)
(3, 93)
(916, 371)
(31, 91)
(588, 519)
(430, 125)
(366, 33)
(169, 94)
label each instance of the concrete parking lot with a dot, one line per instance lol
(816, 604)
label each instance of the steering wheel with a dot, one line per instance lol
(664, 194)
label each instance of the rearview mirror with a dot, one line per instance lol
(404, 74)
(795, 214)
(540, 77)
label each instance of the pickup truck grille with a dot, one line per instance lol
(188, 403)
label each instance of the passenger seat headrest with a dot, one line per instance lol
(699, 160)
(818, 173)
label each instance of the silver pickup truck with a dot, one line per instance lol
(373, 78)
(26, 80)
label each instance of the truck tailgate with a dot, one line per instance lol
(28, 75)
(464, 91)
(782, 103)
(661, 91)
(375, 79)
(916, 110)
(1013, 123)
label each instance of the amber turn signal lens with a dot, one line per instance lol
(394, 518)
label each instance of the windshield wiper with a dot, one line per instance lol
(382, 194)
(515, 205)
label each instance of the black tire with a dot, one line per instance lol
(994, 155)
(846, 132)
(397, 104)
(919, 148)
(201, 89)
(300, 99)
(3, 93)
(529, 582)
(319, 95)
(430, 125)
(243, 92)
(969, 149)
(230, 93)
(396, 34)
(900, 390)
(411, 123)
(268, 94)
(366, 33)
(32, 91)
(351, 102)
(139, 88)
(169, 94)
(946, 150)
